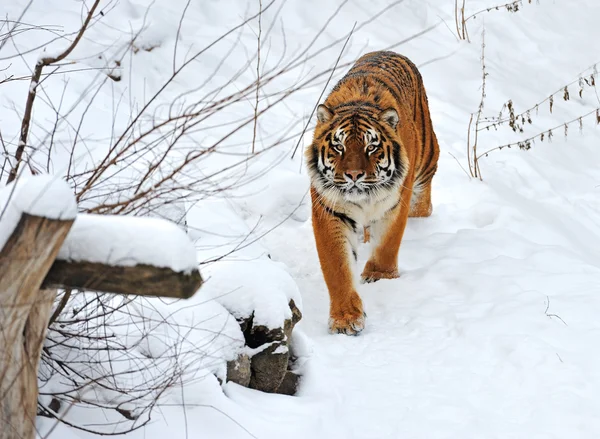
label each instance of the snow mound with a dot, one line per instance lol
(204, 331)
(262, 287)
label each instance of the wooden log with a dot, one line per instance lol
(126, 255)
(24, 310)
(140, 280)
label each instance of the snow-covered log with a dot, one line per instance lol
(126, 255)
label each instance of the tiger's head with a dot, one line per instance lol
(356, 154)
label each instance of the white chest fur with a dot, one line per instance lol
(368, 211)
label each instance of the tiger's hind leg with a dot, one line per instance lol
(420, 205)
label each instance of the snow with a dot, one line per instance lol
(205, 332)
(46, 196)
(260, 287)
(127, 241)
(282, 349)
(491, 328)
(186, 341)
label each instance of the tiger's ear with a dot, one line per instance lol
(324, 114)
(390, 116)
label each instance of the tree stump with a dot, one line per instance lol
(24, 311)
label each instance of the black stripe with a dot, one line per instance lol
(372, 77)
(342, 217)
(407, 74)
(409, 69)
(365, 89)
(314, 159)
(416, 105)
(358, 104)
(427, 163)
(397, 161)
(389, 155)
(394, 206)
(424, 133)
(393, 91)
(427, 176)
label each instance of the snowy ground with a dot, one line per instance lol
(491, 330)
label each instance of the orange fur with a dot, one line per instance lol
(366, 234)
(373, 156)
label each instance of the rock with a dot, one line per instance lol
(288, 325)
(267, 370)
(269, 367)
(261, 335)
(239, 371)
(246, 324)
(289, 385)
(55, 405)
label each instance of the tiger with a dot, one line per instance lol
(371, 163)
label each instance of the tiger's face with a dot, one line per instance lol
(356, 155)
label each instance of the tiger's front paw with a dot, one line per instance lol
(373, 272)
(348, 319)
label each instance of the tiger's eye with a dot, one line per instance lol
(371, 148)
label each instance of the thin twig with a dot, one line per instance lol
(187, 5)
(323, 89)
(257, 75)
(459, 164)
(35, 79)
(552, 315)
(16, 23)
(61, 306)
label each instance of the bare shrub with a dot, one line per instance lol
(518, 122)
(461, 19)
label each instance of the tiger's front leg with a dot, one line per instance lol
(335, 235)
(387, 235)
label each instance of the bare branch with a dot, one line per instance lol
(35, 79)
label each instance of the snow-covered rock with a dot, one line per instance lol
(259, 290)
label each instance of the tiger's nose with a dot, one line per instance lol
(354, 175)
